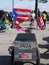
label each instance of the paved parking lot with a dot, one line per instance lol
(7, 38)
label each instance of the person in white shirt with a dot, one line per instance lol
(32, 18)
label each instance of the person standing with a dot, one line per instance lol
(32, 18)
(44, 14)
(3, 26)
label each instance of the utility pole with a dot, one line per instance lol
(36, 6)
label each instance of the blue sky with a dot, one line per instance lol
(6, 5)
(30, 4)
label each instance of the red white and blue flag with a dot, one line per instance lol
(39, 19)
(21, 14)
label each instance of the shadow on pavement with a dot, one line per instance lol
(46, 39)
(47, 45)
(45, 55)
(2, 31)
(5, 60)
(44, 64)
(47, 64)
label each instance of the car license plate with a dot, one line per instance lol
(25, 56)
(25, 46)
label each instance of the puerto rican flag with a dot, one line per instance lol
(21, 14)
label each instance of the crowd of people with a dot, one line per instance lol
(7, 23)
(40, 19)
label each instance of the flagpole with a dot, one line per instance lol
(12, 10)
(12, 4)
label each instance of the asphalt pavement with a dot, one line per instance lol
(8, 37)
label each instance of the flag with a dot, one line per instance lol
(21, 14)
(15, 15)
(39, 19)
